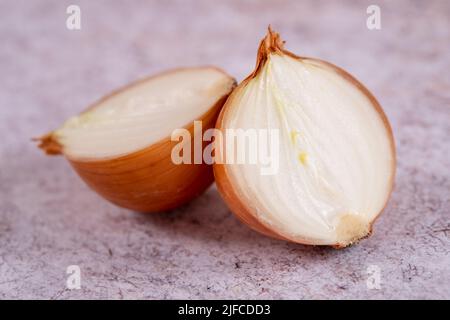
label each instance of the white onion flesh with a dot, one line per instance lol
(143, 114)
(335, 159)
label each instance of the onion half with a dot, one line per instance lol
(336, 153)
(121, 146)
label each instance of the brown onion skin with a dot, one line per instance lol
(272, 44)
(146, 180)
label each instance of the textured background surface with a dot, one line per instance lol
(49, 219)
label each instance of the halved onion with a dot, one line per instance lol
(336, 154)
(121, 146)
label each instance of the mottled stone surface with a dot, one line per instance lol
(49, 219)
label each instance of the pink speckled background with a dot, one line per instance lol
(49, 219)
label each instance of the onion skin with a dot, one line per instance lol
(243, 210)
(145, 180)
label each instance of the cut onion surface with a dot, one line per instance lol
(336, 151)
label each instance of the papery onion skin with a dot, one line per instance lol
(146, 180)
(243, 210)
